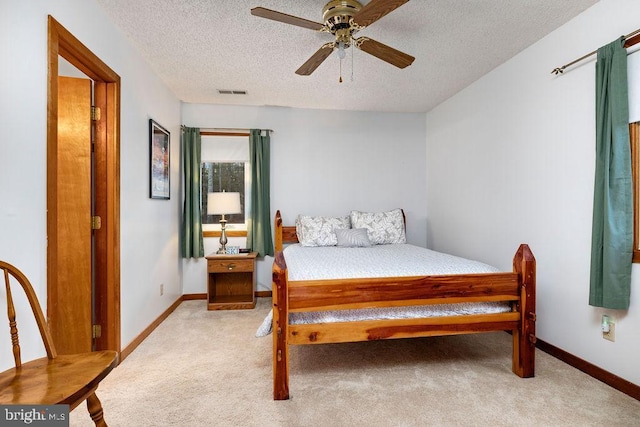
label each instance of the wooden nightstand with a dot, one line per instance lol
(231, 281)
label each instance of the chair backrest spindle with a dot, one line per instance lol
(13, 326)
(12, 272)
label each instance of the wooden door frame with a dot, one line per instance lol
(107, 191)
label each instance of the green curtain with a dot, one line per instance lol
(612, 238)
(259, 224)
(192, 244)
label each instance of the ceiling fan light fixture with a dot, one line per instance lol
(341, 52)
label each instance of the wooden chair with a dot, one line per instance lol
(55, 379)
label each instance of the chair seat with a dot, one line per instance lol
(67, 379)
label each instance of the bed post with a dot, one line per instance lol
(277, 239)
(280, 329)
(524, 338)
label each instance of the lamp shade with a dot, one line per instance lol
(223, 203)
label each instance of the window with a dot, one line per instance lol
(225, 167)
(634, 133)
(223, 176)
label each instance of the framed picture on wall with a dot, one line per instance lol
(159, 145)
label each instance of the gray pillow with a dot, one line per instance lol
(353, 237)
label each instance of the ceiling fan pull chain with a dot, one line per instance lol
(340, 81)
(352, 54)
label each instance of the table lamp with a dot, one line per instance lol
(223, 203)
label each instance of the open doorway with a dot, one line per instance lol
(69, 215)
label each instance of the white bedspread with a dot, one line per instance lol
(332, 262)
(320, 263)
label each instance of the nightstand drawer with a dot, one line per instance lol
(230, 265)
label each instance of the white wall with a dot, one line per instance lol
(510, 159)
(149, 228)
(328, 163)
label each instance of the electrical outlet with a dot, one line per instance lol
(161, 289)
(611, 335)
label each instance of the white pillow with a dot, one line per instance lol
(319, 230)
(383, 228)
(353, 237)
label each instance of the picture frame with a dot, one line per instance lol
(159, 161)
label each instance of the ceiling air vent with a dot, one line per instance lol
(231, 92)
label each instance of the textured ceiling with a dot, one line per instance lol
(200, 46)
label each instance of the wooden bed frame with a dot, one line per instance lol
(518, 287)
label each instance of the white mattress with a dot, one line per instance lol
(322, 263)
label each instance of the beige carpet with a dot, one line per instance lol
(206, 368)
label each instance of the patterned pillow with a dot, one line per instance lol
(353, 238)
(319, 230)
(383, 228)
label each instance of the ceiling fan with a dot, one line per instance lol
(343, 19)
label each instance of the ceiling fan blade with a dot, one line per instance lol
(314, 62)
(287, 19)
(384, 52)
(375, 10)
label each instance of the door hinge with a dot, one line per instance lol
(95, 113)
(96, 222)
(96, 331)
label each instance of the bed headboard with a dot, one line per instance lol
(287, 233)
(283, 234)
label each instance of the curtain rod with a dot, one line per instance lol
(226, 130)
(630, 40)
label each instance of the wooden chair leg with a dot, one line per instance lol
(95, 410)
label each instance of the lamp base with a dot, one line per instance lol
(223, 236)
